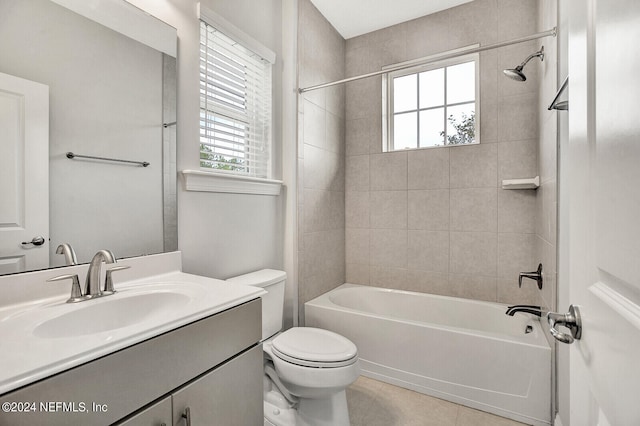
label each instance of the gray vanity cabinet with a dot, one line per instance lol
(158, 414)
(229, 395)
(213, 366)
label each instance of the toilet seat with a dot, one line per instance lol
(314, 347)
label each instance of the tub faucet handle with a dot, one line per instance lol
(535, 275)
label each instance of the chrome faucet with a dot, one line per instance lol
(535, 275)
(69, 253)
(92, 284)
(529, 309)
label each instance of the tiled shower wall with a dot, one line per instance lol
(321, 158)
(436, 220)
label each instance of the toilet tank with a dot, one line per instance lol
(272, 281)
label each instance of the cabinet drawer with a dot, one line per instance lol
(126, 380)
(159, 414)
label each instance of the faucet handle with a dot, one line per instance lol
(534, 275)
(108, 282)
(76, 291)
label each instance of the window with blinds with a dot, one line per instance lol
(235, 106)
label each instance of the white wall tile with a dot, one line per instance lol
(314, 125)
(429, 210)
(515, 255)
(516, 210)
(428, 282)
(357, 274)
(428, 168)
(428, 250)
(358, 136)
(357, 209)
(388, 248)
(518, 117)
(387, 277)
(388, 171)
(474, 253)
(474, 286)
(474, 166)
(517, 160)
(357, 246)
(388, 209)
(474, 209)
(357, 173)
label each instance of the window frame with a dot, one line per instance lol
(247, 43)
(388, 115)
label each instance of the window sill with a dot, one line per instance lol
(196, 180)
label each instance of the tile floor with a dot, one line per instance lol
(374, 403)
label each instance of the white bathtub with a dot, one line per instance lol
(465, 351)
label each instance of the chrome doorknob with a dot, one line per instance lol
(571, 320)
(36, 241)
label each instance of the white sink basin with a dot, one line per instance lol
(110, 313)
(49, 336)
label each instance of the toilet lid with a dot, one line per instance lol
(314, 347)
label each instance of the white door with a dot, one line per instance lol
(24, 174)
(602, 171)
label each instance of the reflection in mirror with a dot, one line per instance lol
(109, 96)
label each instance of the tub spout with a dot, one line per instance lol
(530, 309)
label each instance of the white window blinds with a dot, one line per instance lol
(235, 106)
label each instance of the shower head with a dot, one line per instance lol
(516, 73)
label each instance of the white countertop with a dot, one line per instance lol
(28, 355)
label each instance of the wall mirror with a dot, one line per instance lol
(95, 79)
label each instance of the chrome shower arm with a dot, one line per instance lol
(538, 54)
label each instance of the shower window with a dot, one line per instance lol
(235, 103)
(432, 105)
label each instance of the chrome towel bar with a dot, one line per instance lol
(71, 156)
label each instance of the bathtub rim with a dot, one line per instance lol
(536, 339)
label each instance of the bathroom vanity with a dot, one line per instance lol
(200, 363)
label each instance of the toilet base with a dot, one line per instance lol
(332, 411)
(278, 416)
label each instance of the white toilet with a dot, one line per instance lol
(306, 369)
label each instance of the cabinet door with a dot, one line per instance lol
(158, 414)
(229, 395)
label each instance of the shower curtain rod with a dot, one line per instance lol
(434, 58)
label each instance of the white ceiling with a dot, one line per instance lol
(356, 17)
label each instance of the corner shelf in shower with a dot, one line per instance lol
(529, 183)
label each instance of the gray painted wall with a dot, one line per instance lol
(105, 100)
(223, 235)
